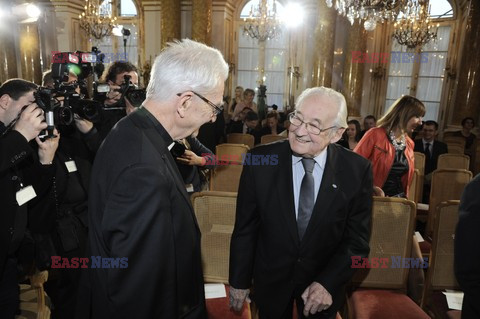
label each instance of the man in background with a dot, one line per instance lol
(432, 149)
(368, 122)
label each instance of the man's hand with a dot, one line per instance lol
(31, 122)
(47, 149)
(82, 125)
(377, 191)
(237, 298)
(190, 158)
(316, 299)
(113, 96)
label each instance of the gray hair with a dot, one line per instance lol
(186, 66)
(341, 120)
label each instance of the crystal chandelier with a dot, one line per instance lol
(372, 11)
(97, 19)
(414, 28)
(262, 23)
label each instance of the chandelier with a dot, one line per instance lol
(262, 23)
(414, 28)
(372, 11)
(97, 19)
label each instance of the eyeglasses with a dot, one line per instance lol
(296, 121)
(216, 109)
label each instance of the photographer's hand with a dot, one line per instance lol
(113, 96)
(31, 122)
(83, 125)
(47, 149)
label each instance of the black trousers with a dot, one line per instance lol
(9, 290)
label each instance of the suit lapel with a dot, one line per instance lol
(285, 186)
(326, 194)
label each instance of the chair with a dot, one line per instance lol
(269, 138)
(440, 274)
(419, 162)
(380, 292)
(449, 160)
(32, 297)
(239, 138)
(215, 212)
(455, 144)
(229, 152)
(447, 184)
(413, 194)
(226, 178)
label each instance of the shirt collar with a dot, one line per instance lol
(425, 142)
(320, 159)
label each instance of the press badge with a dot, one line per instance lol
(25, 194)
(71, 166)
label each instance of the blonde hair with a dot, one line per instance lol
(400, 112)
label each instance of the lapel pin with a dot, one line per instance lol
(334, 185)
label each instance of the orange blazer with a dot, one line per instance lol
(376, 147)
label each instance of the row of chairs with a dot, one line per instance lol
(375, 292)
(249, 140)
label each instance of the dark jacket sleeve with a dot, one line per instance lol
(467, 254)
(244, 237)
(201, 150)
(93, 140)
(355, 240)
(14, 148)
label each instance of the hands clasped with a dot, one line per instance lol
(238, 297)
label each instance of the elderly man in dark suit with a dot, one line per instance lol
(138, 205)
(432, 149)
(299, 223)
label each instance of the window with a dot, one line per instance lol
(275, 59)
(421, 73)
(120, 46)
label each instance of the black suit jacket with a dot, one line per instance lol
(18, 163)
(265, 245)
(139, 209)
(467, 254)
(439, 148)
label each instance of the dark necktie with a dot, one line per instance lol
(307, 196)
(427, 151)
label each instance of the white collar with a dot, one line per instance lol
(320, 159)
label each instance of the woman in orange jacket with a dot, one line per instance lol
(390, 149)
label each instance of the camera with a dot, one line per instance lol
(128, 91)
(49, 99)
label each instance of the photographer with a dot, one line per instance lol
(89, 133)
(115, 78)
(24, 178)
(59, 227)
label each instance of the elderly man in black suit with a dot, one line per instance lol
(467, 254)
(432, 149)
(138, 205)
(299, 223)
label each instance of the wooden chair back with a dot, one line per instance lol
(269, 138)
(393, 222)
(215, 212)
(452, 160)
(239, 138)
(447, 184)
